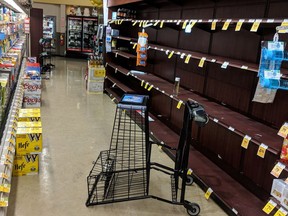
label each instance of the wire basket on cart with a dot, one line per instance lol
(120, 173)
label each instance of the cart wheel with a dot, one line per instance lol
(193, 209)
(189, 180)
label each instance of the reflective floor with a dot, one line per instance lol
(76, 127)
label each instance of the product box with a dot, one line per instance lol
(278, 187)
(29, 116)
(30, 101)
(29, 124)
(32, 86)
(96, 73)
(284, 201)
(28, 141)
(26, 165)
(30, 110)
(95, 87)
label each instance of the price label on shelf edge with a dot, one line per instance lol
(268, 208)
(283, 132)
(277, 170)
(245, 142)
(179, 104)
(255, 25)
(281, 212)
(239, 25)
(262, 150)
(208, 193)
(201, 62)
(226, 24)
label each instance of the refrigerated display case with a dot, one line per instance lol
(90, 26)
(80, 35)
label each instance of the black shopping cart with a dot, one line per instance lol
(122, 173)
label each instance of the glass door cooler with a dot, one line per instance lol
(74, 34)
(90, 26)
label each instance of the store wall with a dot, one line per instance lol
(52, 10)
(59, 12)
(66, 2)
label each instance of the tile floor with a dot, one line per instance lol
(76, 127)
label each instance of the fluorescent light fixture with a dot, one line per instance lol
(14, 5)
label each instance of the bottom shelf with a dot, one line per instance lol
(230, 195)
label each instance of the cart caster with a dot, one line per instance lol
(193, 209)
(189, 180)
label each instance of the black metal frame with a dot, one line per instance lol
(118, 182)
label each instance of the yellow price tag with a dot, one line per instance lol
(11, 141)
(5, 176)
(201, 63)
(113, 99)
(146, 86)
(179, 104)
(255, 26)
(134, 46)
(284, 23)
(4, 202)
(262, 150)
(142, 83)
(283, 132)
(277, 170)
(187, 59)
(140, 24)
(268, 208)
(245, 142)
(192, 23)
(213, 24)
(161, 24)
(226, 24)
(208, 193)
(281, 212)
(150, 88)
(184, 24)
(5, 188)
(189, 172)
(156, 23)
(239, 25)
(134, 23)
(170, 55)
(10, 149)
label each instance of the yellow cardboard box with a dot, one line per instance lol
(26, 165)
(28, 141)
(29, 116)
(29, 124)
(30, 110)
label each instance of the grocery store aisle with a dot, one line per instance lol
(76, 127)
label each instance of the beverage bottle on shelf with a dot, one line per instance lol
(176, 86)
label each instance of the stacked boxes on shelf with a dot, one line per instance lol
(96, 75)
(28, 142)
(32, 86)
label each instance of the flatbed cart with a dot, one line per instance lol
(122, 173)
